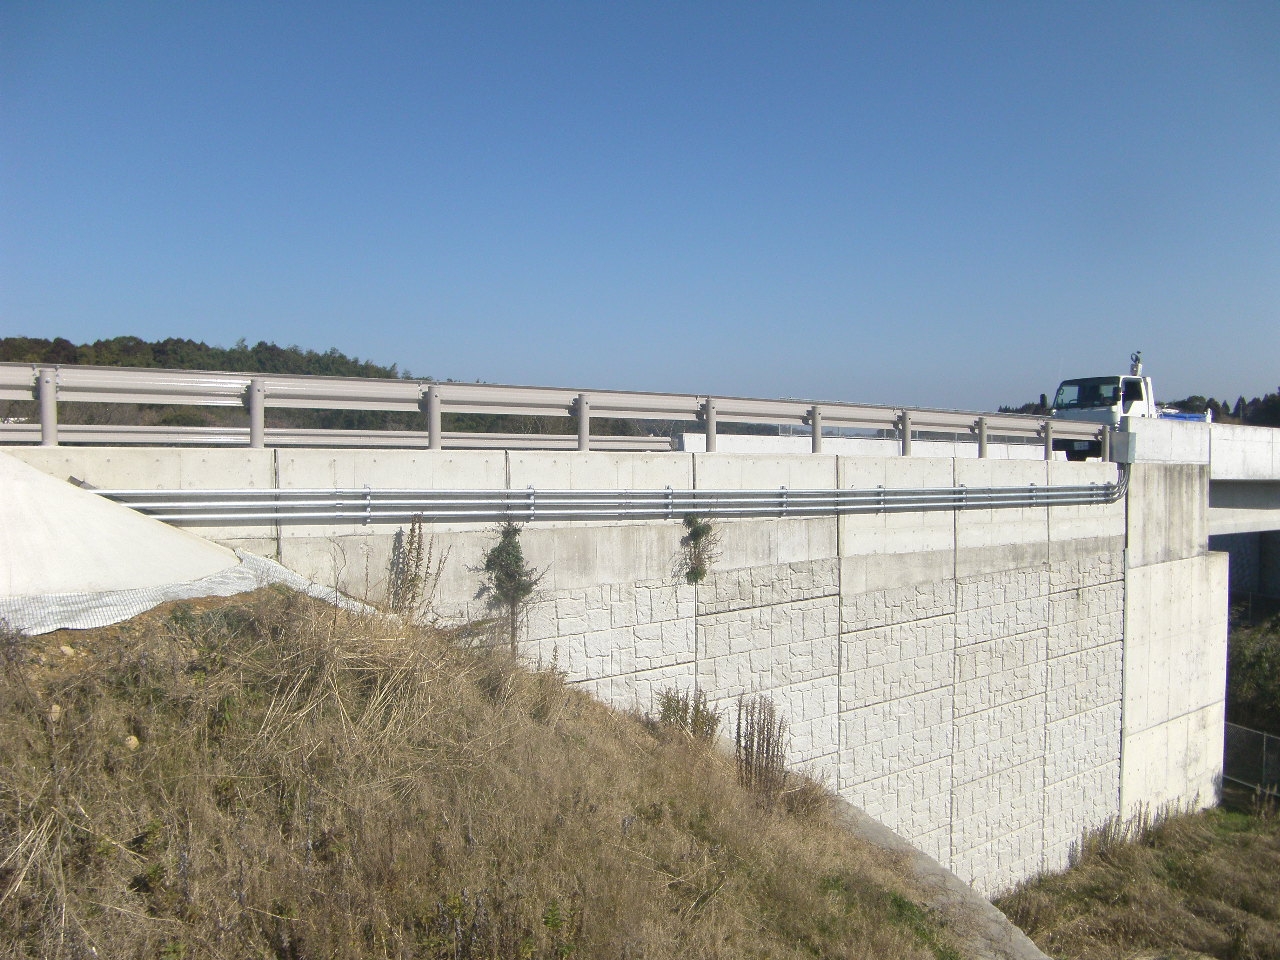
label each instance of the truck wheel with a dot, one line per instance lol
(1077, 456)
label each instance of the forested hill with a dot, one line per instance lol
(178, 354)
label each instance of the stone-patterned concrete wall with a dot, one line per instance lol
(980, 717)
(962, 676)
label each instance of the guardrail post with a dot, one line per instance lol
(1105, 436)
(904, 425)
(255, 399)
(47, 390)
(583, 409)
(433, 417)
(815, 420)
(1047, 430)
(709, 421)
(982, 438)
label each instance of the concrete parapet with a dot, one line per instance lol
(1161, 441)
(1244, 453)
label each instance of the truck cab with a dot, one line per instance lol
(1105, 401)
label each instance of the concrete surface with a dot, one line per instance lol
(863, 447)
(1244, 453)
(1142, 440)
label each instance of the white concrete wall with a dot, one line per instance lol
(863, 447)
(1245, 453)
(1175, 657)
(965, 677)
(1142, 440)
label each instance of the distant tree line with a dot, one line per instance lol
(263, 357)
(180, 354)
(1261, 411)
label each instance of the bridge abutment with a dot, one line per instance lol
(988, 682)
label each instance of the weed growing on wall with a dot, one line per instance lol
(760, 755)
(414, 573)
(760, 746)
(698, 548)
(511, 581)
(688, 714)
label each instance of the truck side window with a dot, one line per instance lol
(1132, 393)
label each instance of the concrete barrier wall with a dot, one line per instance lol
(863, 447)
(1175, 642)
(980, 681)
(1245, 453)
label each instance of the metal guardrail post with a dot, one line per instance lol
(582, 407)
(815, 420)
(709, 420)
(904, 425)
(982, 437)
(1105, 436)
(255, 399)
(433, 417)
(47, 389)
(1047, 431)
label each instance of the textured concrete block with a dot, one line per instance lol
(1079, 682)
(1082, 742)
(912, 801)
(902, 660)
(903, 604)
(1005, 736)
(1000, 671)
(893, 736)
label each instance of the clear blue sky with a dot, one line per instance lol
(944, 204)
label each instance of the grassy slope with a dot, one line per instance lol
(1206, 883)
(1191, 885)
(266, 777)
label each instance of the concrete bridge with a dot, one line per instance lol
(989, 654)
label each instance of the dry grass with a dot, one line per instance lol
(265, 777)
(1189, 885)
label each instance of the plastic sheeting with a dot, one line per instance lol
(78, 611)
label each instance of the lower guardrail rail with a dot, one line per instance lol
(367, 505)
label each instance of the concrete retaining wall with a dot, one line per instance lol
(1175, 641)
(986, 683)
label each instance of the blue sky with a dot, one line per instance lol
(937, 204)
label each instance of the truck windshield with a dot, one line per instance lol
(1089, 392)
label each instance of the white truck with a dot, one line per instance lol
(1107, 401)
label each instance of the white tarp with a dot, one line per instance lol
(38, 614)
(71, 559)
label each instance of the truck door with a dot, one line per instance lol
(1131, 393)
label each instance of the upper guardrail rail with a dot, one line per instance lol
(52, 384)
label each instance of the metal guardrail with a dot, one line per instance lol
(1251, 757)
(51, 385)
(125, 436)
(366, 505)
